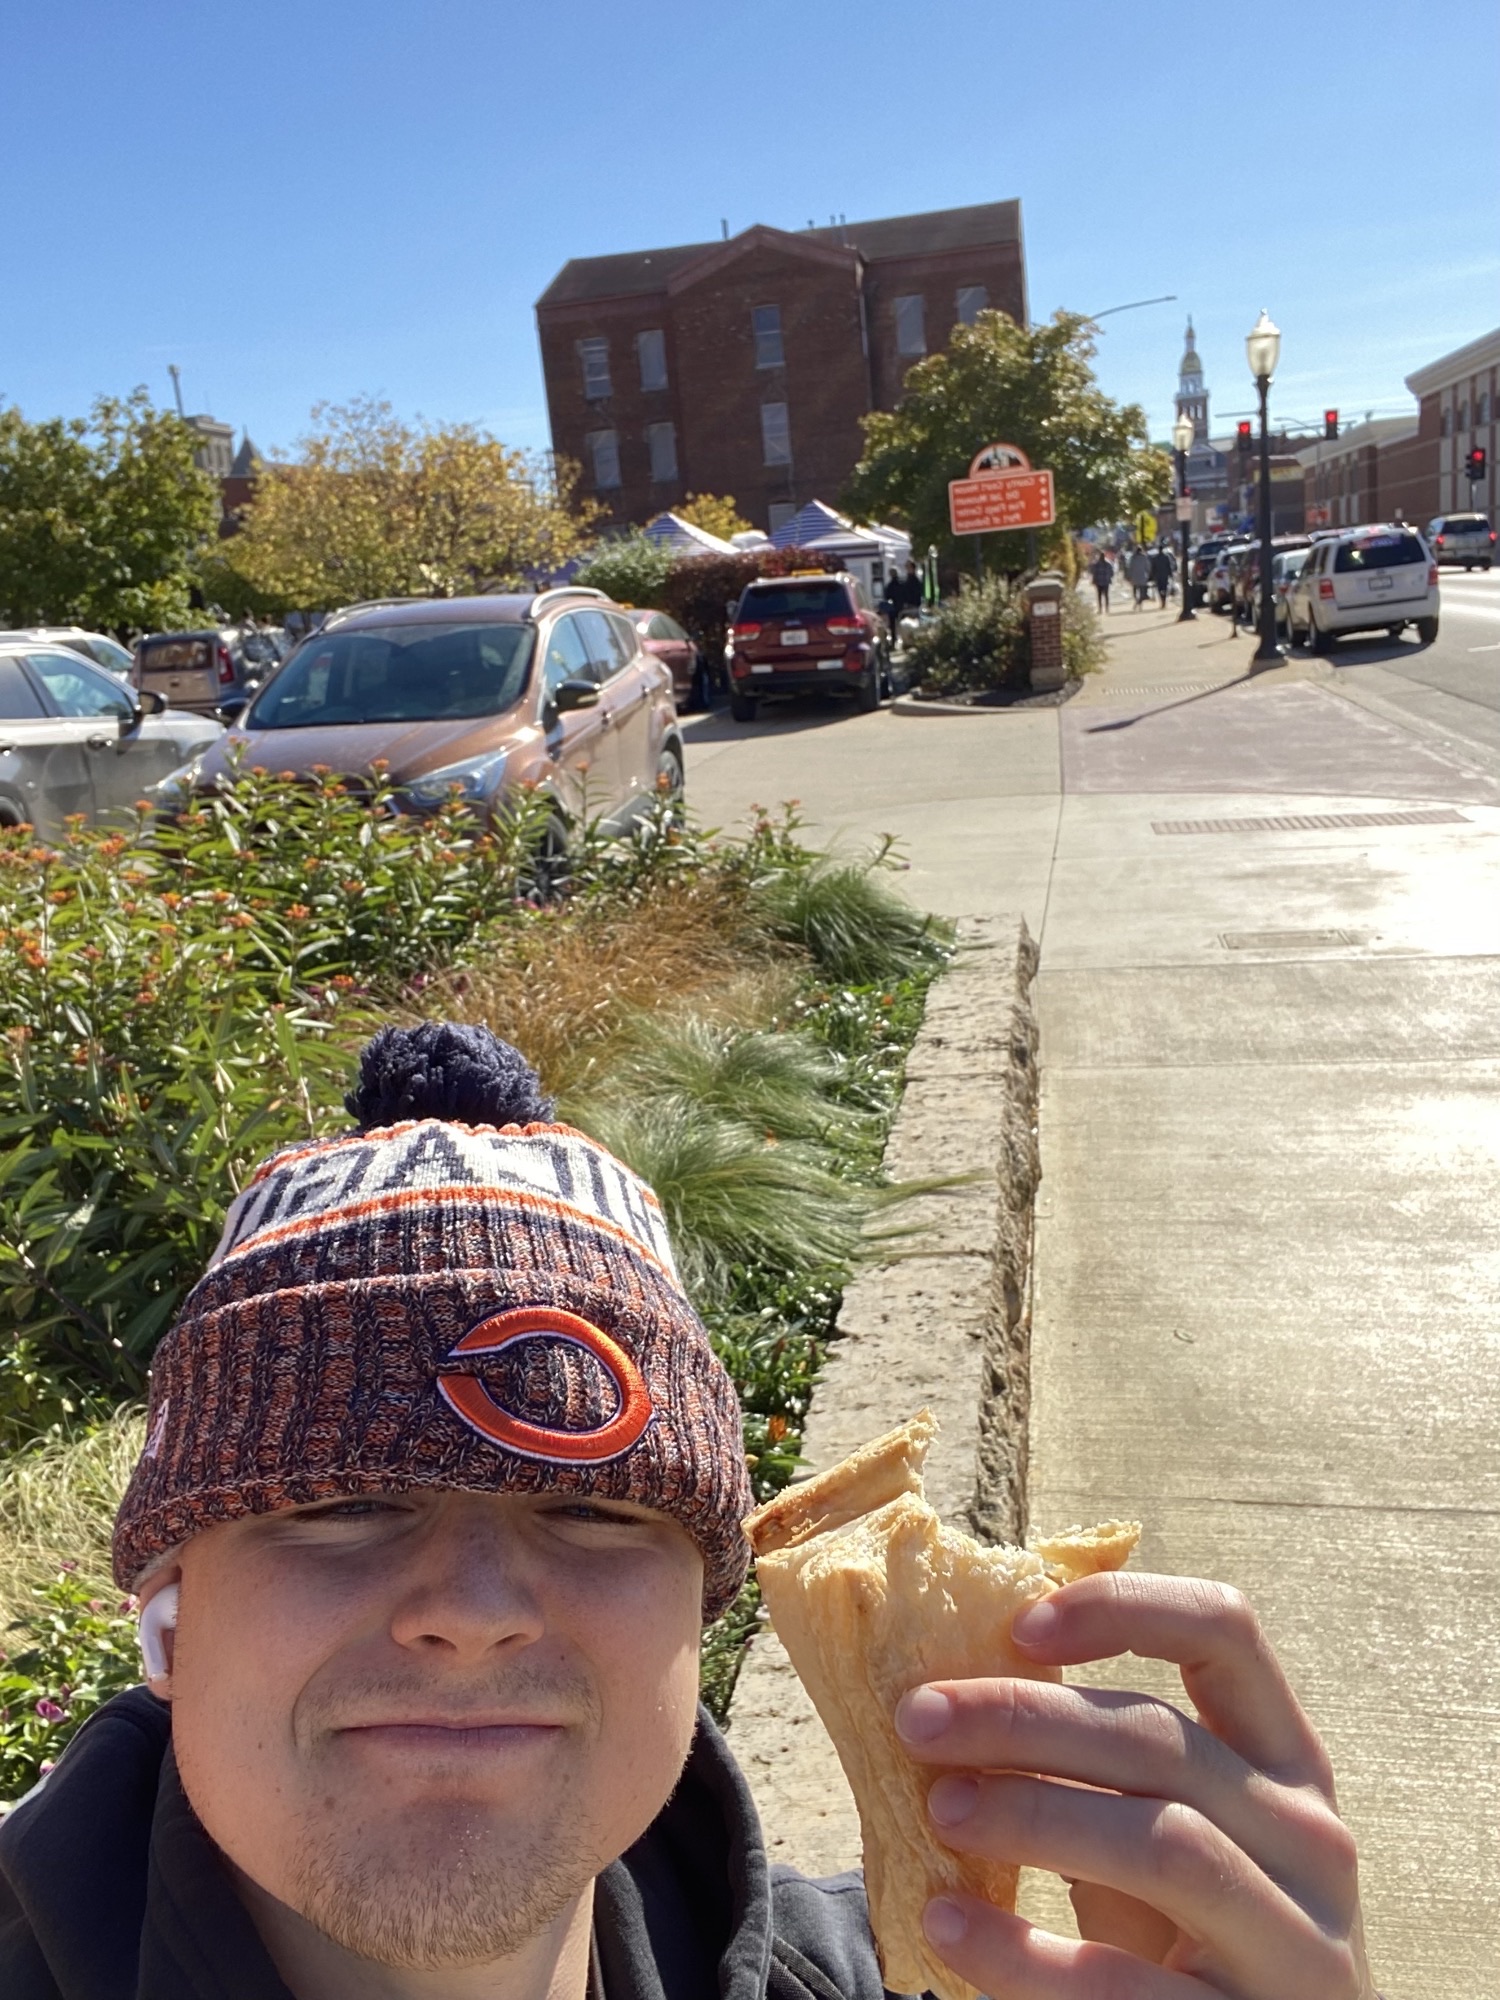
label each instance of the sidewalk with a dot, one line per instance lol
(1267, 1251)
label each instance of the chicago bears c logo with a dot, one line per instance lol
(468, 1397)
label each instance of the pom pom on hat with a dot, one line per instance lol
(445, 1070)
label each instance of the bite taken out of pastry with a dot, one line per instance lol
(872, 1595)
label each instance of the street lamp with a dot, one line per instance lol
(1263, 349)
(1182, 442)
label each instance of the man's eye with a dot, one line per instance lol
(347, 1510)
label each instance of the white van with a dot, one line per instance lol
(1364, 580)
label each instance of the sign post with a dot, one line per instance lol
(1003, 491)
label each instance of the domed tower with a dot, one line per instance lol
(1192, 397)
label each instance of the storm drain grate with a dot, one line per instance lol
(1311, 822)
(1289, 940)
(1168, 687)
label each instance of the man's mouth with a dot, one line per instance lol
(448, 1735)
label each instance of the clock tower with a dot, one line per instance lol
(1192, 397)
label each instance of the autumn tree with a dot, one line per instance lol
(101, 517)
(998, 382)
(715, 514)
(374, 507)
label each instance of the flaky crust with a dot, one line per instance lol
(871, 1595)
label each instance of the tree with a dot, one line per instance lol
(714, 514)
(101, 518)
(1027, 386)
(631, 569)
(374, 507)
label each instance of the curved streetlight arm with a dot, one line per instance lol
(1166, 299)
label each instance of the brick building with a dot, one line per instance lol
(743, 367)
(1456, 402)
(1349, 479)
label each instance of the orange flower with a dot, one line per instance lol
(297, 911)
(171, 898)
(241, 920)
(322, 770)
(776, 1429)
(342, 981)
(353, 888)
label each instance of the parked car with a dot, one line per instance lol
(1247, 574)
(96, 646)
(1202, 560)
(1286, 566)
(1462, 538)
(213, 672)
(474, 698)
(75, 739)
(805, 634)
(1219, 591)
(664, 638)
(1364, 580)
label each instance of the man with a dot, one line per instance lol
(911, 591)
(441, 1477)
(1102, 570)
(1138, 569)
(1162, 570)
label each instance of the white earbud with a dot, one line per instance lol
(158, 1617)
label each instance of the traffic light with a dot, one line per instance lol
(1242, 436)
(1330, 423)
(1476, 462)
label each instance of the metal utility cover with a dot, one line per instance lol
(1289, 940)
(1312, 822)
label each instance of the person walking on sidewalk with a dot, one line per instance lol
(1102, 570)
(421, 1623)
(1138, 569)
(1162, 568)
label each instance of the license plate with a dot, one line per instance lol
(1381, 581)
(794, 638)
(766, 669)
(825, 666)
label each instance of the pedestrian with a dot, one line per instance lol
(892, 597)
(1138, 569)
(1102, 570)
(1161, 573)
(442, 1478)
(911, 591)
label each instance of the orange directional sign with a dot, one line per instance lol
(989, 501)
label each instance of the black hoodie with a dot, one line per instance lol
(111, 1890)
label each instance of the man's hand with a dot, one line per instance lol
(1205, 1857)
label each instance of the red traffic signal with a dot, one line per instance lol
(1477, 462)
(1242, 433)
(1330, 423)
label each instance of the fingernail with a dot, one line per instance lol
(923, 1714)
(944, 1923)
(1036, 1624)
(951, 1800)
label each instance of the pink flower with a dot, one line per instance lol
(49, 1710)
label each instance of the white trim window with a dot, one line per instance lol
(765, 324)
(604, 457)
(661, 441)
(911, 325)
(593, 358)
(778, 514)
(969, 302)
(775, 434)
(651, 353)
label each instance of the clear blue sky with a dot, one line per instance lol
(309, 201)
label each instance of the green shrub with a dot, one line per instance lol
(57, 1506)
(977, 641)
(851, 924)
(1082, 640)
(631, 570)
(70, 1651)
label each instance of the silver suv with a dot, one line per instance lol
(1364, 580)
(1462, 538)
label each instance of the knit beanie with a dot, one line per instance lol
(460, 1294)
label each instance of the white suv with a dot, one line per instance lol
(1364, 580)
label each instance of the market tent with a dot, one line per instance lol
(821, 531)
(684, 539)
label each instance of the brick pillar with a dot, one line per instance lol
(1044, 617)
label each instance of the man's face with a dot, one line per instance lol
(425, 1721)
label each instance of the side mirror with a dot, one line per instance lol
(232, 706)
(149, 702)
(574, 694)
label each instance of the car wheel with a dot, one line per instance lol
(1467, 568)
(742, 706)
(1427, 630)
(670, 780)
(546, 876)
(1394, 631)
(701, 694)
(1318, 640)
(867, 694)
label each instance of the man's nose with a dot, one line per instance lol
(471, 1588)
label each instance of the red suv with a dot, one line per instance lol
(801, 634)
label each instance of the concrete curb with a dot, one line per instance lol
(944, 1322)
(905, 704)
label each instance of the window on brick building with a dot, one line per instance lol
(778, 514)
(593, 357)
(604, 456)
(1482, 410)
(1463, 415)
(1447, 420)
(911, 328)
(970, 302)
(651, 352)
(765, 322)
(775, 434)
(662, 442)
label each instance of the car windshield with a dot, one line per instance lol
(1465, 524)
(397, 673)
(162, 653)
(796, 600)
(1377, 552)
